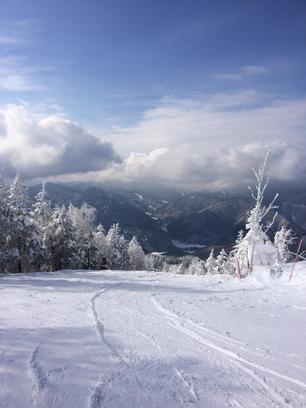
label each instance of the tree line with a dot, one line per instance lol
(37, 237)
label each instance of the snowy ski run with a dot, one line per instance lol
(95, 339)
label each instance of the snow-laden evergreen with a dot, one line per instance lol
(282, 241)
(100, 245)
(136, 255)
(116, 248)
(210, 263)
(221, 262)
(83, 220)
(196, 267)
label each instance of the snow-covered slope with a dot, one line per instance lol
(142, 339)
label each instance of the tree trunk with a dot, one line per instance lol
(19, 266)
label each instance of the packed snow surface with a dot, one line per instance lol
(94, 339)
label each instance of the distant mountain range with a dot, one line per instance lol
(176, 221)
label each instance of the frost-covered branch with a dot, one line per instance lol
(256, 239)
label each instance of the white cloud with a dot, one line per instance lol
(224, 168)
(214, 141)
(218, 120)
(40, 146)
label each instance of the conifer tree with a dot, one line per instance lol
(24, 236)
(210, 263)
(41, 209)
(83, 222)
(41, 215)
(60, 240)
(5, 227)
(18, 195)
(100, 244)
(116, 248)
(196, 267)
(136, 255)
(221, 262)
(282, 241)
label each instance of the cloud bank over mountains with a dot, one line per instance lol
(41, 146)
(210, 142)
(214, 142)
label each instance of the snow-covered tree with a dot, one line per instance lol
(136, 255)
(18, 195)
(221, 262)
(83, 222)
(259, 246)
(100, 244)
(282, 241)
(3, 190)
(117, 256)
(41, 215)
(60, 240)
(210, 264)
(154, 261)
(24, 245)
(5, 226)
(196, 267)
(41, 209)
(238, 257)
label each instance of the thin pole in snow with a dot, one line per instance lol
(296, 258)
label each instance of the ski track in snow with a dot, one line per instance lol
(178, 323)
(97, 396)
(146, 396)
(100, 326)
(39, 378)
(141, 340)
(45, 390)
(229, 353)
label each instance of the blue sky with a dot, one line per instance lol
(115, 58)
(109, 64)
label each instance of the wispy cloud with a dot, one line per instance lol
(19, 83)
(244, 72)
(18, 33)
(250, 70)
(17, 75)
